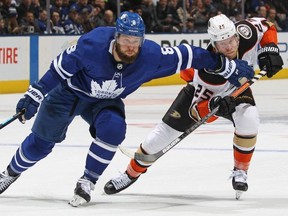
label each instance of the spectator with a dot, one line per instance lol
(28, 24)
(252, 7)
(108, 19)
(184, 12)
(86, 22)
(210, 8)
(36, 7)
(166, 23)
(149, 15)
(190, 28)
(25, 6)
(102, 5)
(64, 13)
(42, 21)
(3, 28)
(57, 6)
(172, 9)
(200, 16)
(80, 5)
(9, 14)
(262, 11)
(273, 18)
(96, 16)
(73, 25)
(56, 26)
(225, 8)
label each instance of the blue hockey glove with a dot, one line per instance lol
(30, 102)
(226, 105)
(235, 70)
(269, 59)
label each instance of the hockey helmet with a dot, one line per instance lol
(220, 27)
(131, 24)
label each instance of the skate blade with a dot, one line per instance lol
(77, 201)
(238, 194)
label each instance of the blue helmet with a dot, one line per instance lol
(130, 23)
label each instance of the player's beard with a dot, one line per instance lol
(125, 58)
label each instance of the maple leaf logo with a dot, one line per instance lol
(108, 90)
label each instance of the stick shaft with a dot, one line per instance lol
(153, 157)
(13, 118)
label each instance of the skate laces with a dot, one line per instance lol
(86, 185)
(121, 181)
(239, 176)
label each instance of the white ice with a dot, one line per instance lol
(191, 179)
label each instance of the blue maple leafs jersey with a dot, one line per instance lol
(92, 73)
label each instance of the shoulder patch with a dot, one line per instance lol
(244, 30)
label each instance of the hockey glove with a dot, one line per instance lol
(269, 59)
(30, 102)
(235, 70)
(226, 105)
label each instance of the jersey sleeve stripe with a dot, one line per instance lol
(190, 55)
(60, 67)
(180, 58)
(57, 65)
(57, 69)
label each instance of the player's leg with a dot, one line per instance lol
(175, 121)
(246, 120)
(48, 128)
(108, 130)
(32, 150)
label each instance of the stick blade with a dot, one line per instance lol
(128, 152)
(138, 156)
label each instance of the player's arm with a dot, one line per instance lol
(232, 70)
(62, 67)
(269, 58)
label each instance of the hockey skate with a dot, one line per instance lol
(239, 182)
(82, 192)
(6, 180)
(119, 183)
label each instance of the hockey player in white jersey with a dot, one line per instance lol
(90, 80)
(206, 90)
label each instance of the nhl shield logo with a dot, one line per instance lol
(119, 66)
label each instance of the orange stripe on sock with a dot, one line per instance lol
(242, 160)
(134, 169)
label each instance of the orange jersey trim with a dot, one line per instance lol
(203, 110)
(269, 36)
(187, 74)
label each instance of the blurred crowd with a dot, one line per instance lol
(19, 17)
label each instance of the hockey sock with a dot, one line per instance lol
(136, 168)
(243, 150)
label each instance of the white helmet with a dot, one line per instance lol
(220, 27)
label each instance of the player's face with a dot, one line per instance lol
(127, 47)
(228, 47)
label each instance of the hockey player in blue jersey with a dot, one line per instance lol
(90, 80)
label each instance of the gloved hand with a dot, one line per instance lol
(234, 70)
(30, 102)
(269, 59)
(226, 105)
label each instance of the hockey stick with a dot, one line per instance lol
(150, 158)
(13, 118)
